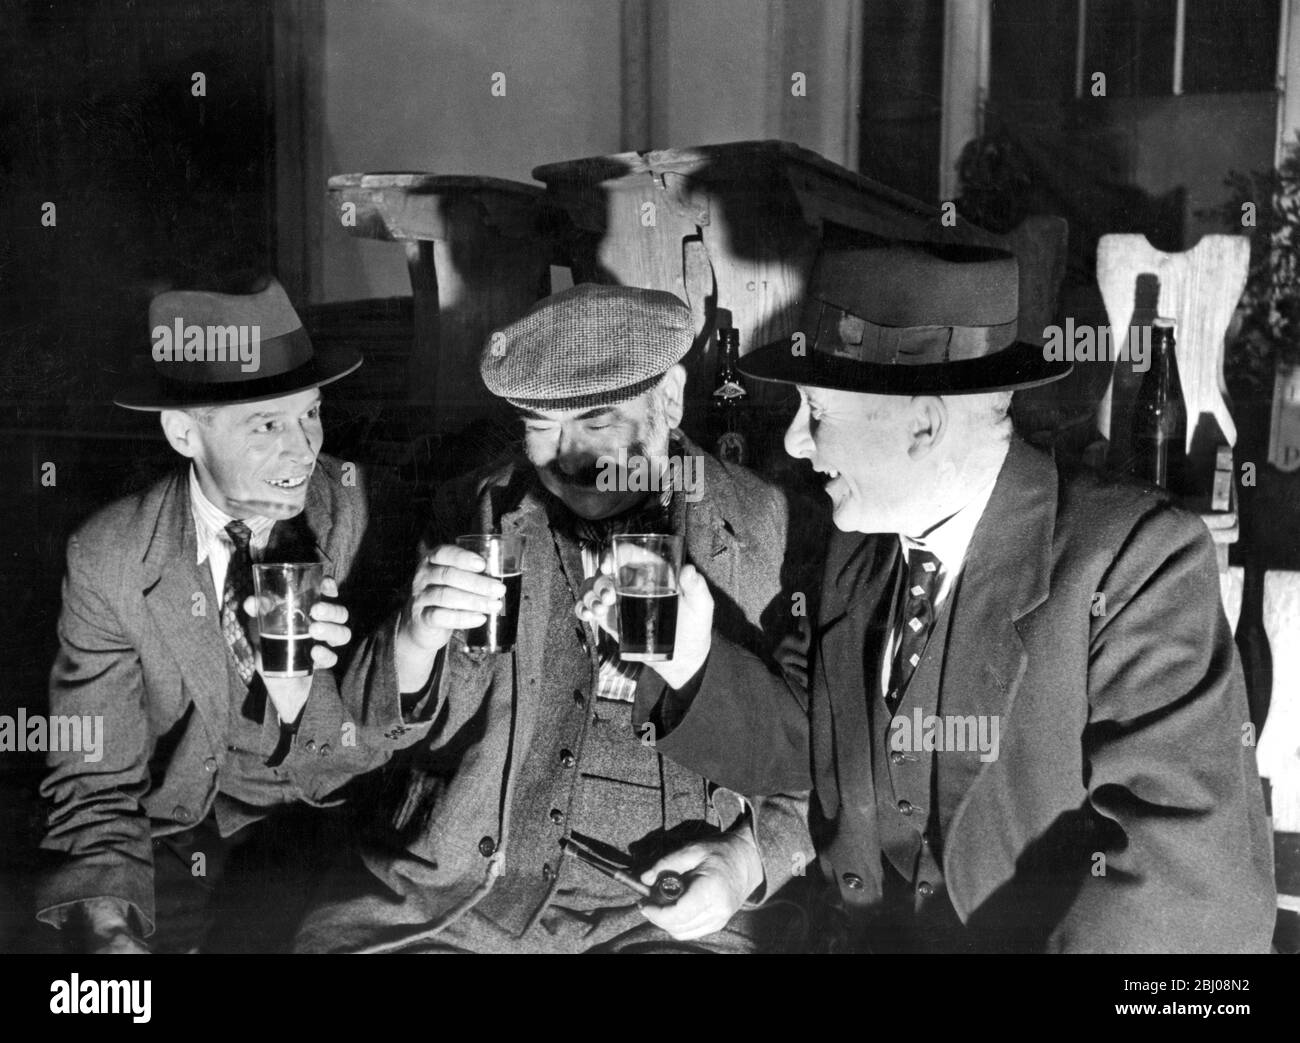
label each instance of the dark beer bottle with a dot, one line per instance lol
(1160, 417)
(729, 403)
(1252, 643)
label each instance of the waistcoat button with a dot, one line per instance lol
(487, 847)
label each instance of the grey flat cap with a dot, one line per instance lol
(590, 345)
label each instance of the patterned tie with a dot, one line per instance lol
(238, 586)
(917, 617)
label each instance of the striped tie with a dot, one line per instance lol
(238, 586)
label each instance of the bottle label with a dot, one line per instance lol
(729, 390)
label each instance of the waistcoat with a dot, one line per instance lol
(585, 771)
(916, 910)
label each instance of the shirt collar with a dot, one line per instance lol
(950, 539)
(210, 521)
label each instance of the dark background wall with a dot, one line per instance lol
(153, 188)
(156, 188)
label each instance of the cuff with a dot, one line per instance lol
(415, 707)
(785, 846)
(745, 830)
(659, 705)
(75, 915)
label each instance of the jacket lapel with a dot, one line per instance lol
(529, 519)
(319, 510)
(707, 539)
(1006, 575)
(855, 610)
(170, 580)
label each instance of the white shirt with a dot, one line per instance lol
(948, 541)
(214, 543)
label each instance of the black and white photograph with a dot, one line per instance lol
(764, 477)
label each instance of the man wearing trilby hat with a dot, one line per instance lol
(1025, 722)
(155, 638)
(524, 753)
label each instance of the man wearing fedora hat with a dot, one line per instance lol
(1020, 705)
(522, 753)
(155, 638)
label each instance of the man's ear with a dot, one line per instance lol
(182, 432)
(673, 390)
(927, 421)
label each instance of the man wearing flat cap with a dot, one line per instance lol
(155, 638)
(1020, 706)
(526, 753)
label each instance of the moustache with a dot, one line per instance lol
(585, 477)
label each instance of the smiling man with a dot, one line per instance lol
(521, 752)
(974, 583)
(155, 637)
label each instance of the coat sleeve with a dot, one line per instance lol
(348, 713)
(742, 723)
(784, 842)
(332, 744)
(388, 718)
(1184, 861)
(95, 820)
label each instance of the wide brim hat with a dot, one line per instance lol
(218, 349)
(908, 318)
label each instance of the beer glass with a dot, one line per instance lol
(285, 595)
(505, 561)
(646, 567)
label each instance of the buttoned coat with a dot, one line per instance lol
(1123, 812)
(481, 736)
(140, 645)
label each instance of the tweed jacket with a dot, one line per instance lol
(1123, 812)
(141, 647)
(453, 841)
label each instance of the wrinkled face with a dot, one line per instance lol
(861, 443)
(257, 458)
(566, 447)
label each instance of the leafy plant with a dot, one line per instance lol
(1268, 314)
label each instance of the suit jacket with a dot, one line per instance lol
(485, 718)
(1123, 812)
(142, 649)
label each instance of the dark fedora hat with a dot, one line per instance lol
(907, 318)
(218, 349)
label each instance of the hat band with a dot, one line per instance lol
(231, 355)
(843, 335)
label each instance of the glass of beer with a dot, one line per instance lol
(505, 561)
(285, 595)
(645, 578)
